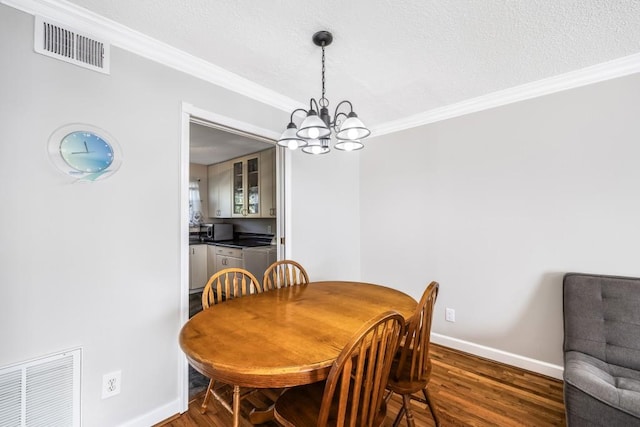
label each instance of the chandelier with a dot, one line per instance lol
(316, 130)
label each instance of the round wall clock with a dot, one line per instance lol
(84, 152)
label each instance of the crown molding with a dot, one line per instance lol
(600, 72)
(140, 44)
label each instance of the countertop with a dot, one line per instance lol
(238, 242)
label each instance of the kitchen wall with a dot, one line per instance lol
(498, 205)
(98, 265)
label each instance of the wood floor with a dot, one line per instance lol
(467, 390)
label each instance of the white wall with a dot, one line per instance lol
(325, 214)
(97, 265)
(498, 205)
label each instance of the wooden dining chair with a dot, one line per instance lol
(223, 286)
(411, 367)
(284, 273)
(228, 284)
(353, 393)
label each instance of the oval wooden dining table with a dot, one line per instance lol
(283, 337)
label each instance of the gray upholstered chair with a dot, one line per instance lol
(601, 350)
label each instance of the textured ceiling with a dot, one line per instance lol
(209, 145)
(391, 59)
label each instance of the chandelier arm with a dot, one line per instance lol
(312, 101)
(336, 114)
(295, 111)
(338, 107)
(336, 120)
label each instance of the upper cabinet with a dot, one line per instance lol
(243, 187)
(219, 180)
(246, 186)
(268, 183)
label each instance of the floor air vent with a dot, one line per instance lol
(57, 41)
(41, 393)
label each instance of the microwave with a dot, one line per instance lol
(216, 232)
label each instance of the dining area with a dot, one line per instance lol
(330, 352)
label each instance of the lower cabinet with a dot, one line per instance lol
(227, 258)
(197, 266)
(211, 261)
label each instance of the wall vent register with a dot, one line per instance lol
(63, 43)
(42, 392)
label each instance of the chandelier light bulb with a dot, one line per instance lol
(314, 133)
(349, 146)
(292, 145)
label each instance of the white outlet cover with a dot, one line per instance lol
(111, 383)
(450, 315)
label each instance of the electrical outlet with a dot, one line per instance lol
(111, 384)
(449, 315)
(269, 229)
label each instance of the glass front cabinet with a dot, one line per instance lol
(246, 186)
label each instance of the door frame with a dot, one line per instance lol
(283, 225)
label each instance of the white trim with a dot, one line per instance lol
(544, 368)
(119, 35)
(147, 47)
(600, 72)
(192, 113)
(183, 256)
(286, 206)
(155, 416)
(199, 113)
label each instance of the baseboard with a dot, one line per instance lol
(155, 416)
(540, 367)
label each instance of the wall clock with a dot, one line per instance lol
(84, 152)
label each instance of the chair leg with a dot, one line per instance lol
(396, 422)
(406, 400)
(203, 407)
(431, 406)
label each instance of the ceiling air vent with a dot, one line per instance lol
(57, 41)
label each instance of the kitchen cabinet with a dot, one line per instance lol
(228, 258)
(197, 266)
(256, 260)
(268, 183)
(219, 180)
(211, 261)
(245, 186)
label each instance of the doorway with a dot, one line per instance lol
(210, 139)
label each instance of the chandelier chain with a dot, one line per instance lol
(324, 102)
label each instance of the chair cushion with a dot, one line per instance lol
(602, 317)
(614, 385)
